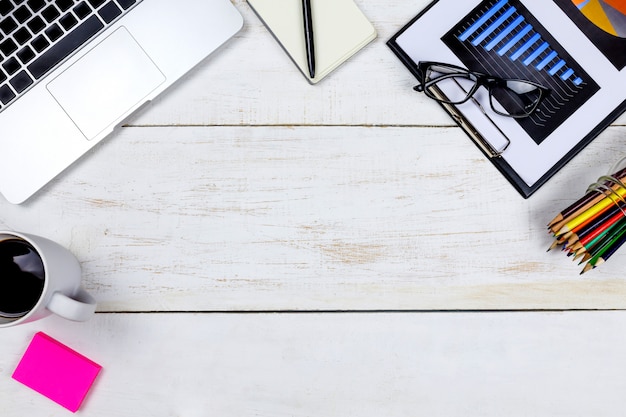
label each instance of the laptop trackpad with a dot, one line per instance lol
(101, 87)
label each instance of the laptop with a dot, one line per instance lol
(73, 70)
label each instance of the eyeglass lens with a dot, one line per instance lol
(457, 85)
(514, 98)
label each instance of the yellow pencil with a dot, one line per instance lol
(594, 197)
(598, 208)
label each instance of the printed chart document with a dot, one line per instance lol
(576, 48)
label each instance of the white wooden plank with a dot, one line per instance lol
(251, 81)
(315, 218)
(442, 365)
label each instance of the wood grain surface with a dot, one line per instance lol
(245, 192)
(308, 365)
(246, 188)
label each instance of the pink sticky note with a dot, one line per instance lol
(56, 371)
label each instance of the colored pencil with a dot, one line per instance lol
(606, 255)
(590, 248)
(594, 227)
(598, 208)
(616, 220)
(607, 250)
(574, 207)
(585, 202)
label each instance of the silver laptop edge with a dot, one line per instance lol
(66, 114)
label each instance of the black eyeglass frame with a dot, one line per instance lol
(485, 80)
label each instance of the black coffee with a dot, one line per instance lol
(21, 277)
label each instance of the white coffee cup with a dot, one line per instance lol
(53, 275)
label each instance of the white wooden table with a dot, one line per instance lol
(262, 247)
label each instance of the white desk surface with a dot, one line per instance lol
(227, 229)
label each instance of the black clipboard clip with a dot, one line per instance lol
(487, 148)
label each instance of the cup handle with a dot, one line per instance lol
(79, 308)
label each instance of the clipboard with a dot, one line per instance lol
(434, 35)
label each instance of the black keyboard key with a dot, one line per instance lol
(81, 34)
(8, 25)
(36, 24)
(40, 43)
(22, 14)
(54, 32)
(6, 7)
(82, 10)
(126, 3)
(21, 81)
(64, 4)
(68, 21)
(96, 3)
(109, 12)
(6, 94)
(8, 47)
(3, 77)
(26, 55)
(11, 66)
(36, 5)
(50, 13)
(22, 36)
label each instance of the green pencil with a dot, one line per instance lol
(609, 248)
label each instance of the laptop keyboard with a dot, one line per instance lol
(37, 35)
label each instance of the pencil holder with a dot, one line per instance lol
(594, 227)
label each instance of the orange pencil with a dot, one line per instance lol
(598, 208)
(587, 201)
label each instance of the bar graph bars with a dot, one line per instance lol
(501, 37)
(502, 25)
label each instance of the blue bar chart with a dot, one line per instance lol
(502, 38)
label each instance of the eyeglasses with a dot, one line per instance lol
(507, 97)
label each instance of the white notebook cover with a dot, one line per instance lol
(340, 30)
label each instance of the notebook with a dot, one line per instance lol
(340, 30)
(567, 46)
(73, 70)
